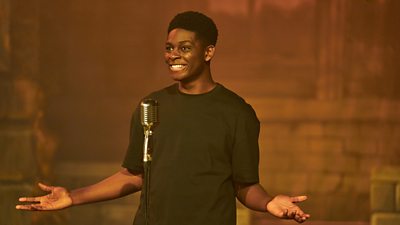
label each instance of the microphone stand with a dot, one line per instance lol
(146, 167)
(149, 119)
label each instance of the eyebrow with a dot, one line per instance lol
(181, 42)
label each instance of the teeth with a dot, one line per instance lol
(177, 67)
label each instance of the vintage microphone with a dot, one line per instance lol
(149, 120)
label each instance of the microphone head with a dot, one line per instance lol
(149, 113)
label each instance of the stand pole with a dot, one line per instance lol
(146, 189)
(146, 167)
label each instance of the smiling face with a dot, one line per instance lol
(187, 58)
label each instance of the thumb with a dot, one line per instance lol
(298, 198)
(45, 187)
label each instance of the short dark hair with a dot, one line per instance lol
(202, 25)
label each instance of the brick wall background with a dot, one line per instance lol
(322, 76)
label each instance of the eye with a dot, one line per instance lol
(169, 48)
(185, 48)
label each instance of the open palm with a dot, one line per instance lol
(283, 207)
(58, 198)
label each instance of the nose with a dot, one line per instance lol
(174, 54)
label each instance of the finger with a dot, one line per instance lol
(301, 217)
(31, 207)
(291, 214)
(45, 187)
(297, 218)
(23, 207)
(300, 213)
(298, 198)
(29, 199)
(305, 216)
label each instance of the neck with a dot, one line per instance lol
(198, 87)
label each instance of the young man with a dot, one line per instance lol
(205, 147)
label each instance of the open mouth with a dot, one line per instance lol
(177, 67)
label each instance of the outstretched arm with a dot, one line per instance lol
(120, 184)
(256, 198)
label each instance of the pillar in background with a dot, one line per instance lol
(385, 196)
(330, 48)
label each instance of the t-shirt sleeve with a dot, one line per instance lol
(134, 155)
(245, 153)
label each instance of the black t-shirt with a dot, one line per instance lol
(202, 145)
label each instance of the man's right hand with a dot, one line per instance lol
(58, 198)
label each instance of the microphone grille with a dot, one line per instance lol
(149, 112)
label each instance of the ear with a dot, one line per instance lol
(209, 53)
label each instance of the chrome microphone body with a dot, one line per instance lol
(149, 120)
